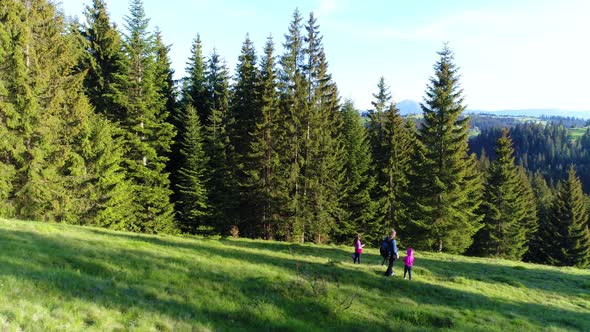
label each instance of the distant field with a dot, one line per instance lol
(575, 133)
(67, 278)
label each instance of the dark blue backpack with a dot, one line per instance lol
(384, 250)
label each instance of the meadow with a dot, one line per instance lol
(55, 277)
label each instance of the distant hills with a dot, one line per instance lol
(408, 106)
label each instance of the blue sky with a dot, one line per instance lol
(512, 54)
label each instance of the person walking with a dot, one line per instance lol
(358, 249)
(393, 254)
(408, 263)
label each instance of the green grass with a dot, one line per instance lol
(67, 278)
(576, 133)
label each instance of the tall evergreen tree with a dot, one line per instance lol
(192, 203)
(108, 190)
(449, 199)
(322, 171)
(543, 234)
(505, 207)
(293, 105)
(195, 90)
(193, 94)
(392, 169)
(223, 196)
(359, 182)
(245, 112)
(102, 59)
(376, 123)
(570, 223)
(56, 163)
(263, 160)
(148, 135)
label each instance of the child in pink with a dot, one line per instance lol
(358, 249)
(408, 263)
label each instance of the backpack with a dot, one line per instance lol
(384, 250)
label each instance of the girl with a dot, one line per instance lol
(358, 249)
(408, 263)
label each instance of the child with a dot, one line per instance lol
(408, 263)
(358, 249)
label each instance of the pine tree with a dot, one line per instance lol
(59, 157)
(359, 180)
(102, 59)
(570, 222)
(293, 105)
(11, 80)
(530, 220)
(192, 203)
(223, 195)
(263, 161)
(322, 149)
(506, 214)
(108, 190)
(376, 121)
(148, 135)
(195, 92)
(448, 200)
(245, 112)
(392, 169)
(544, 233)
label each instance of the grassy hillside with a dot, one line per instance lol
(57, 277)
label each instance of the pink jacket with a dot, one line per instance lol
(409, 259)
(358, 247)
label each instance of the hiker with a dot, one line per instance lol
(392, 252)
(358, 249)
(409, 262)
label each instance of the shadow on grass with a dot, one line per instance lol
(104, 278)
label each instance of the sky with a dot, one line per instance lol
(512, 54)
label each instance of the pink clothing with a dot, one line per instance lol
(358, 247)
(409, 259)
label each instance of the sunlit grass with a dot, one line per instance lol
(66, 278)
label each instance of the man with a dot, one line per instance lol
(393, 254)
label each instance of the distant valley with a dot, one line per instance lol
(408, 107)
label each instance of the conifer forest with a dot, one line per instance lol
(95, 131)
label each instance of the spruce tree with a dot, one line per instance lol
(449, 198)
(192, 204)
(506, 214)
(293, 105)
(392, 169)
(195, 90)
(322, 142)
(245, 112)
(570, 223)
(108, 190)
(223, 194)
(538, 245)
(359, 181)
(376, 122)
(193, 94)
(102, 59)
(147, 133)
(263, 160)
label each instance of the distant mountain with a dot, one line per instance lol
(536, 112)
(407, 107)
